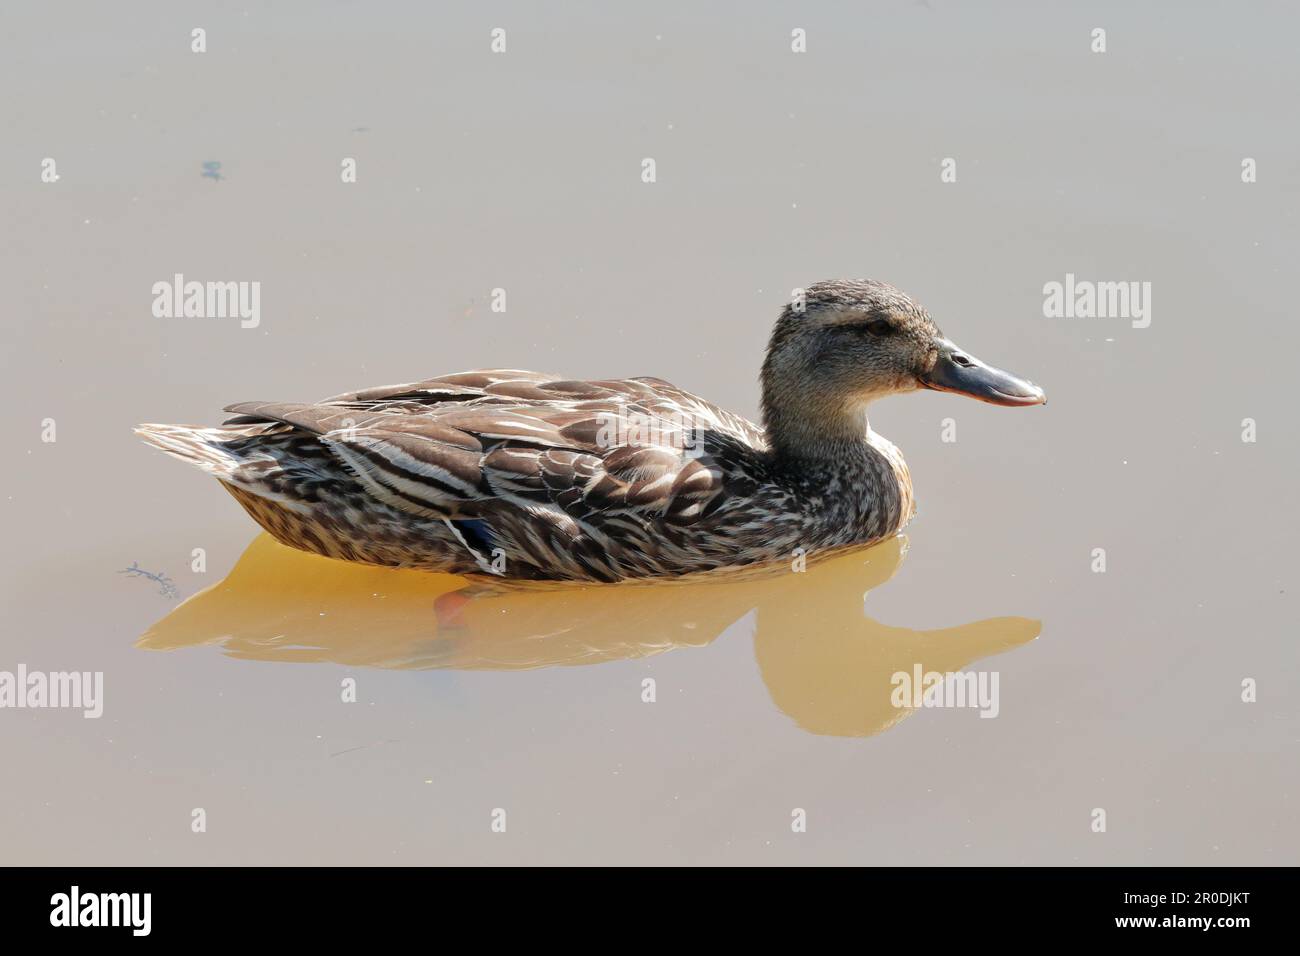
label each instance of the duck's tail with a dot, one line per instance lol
(206, 448)
(293, 486)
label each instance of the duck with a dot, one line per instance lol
(534, 477)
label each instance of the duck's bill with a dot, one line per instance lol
(960, 372)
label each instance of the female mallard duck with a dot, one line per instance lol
(524, 475)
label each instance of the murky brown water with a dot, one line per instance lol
(1119, 690)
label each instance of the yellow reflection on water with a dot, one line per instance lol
(825, 663)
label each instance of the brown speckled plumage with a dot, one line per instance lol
(530, 476)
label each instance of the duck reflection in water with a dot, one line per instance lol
(826, 664)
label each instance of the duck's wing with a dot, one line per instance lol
(506, 386)
(461, 446)
(501, 384)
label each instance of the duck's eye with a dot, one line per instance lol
(879, 327)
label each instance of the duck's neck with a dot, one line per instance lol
(806, 429)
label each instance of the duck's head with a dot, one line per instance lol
(845, 343)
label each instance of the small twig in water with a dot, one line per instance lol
(166, 587)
